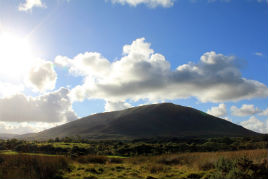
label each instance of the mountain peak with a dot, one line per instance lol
(154, 120)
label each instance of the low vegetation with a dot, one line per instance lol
(211, 158)
(239, 164)
(77, 146)
(32, 166)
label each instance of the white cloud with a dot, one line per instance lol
(219, 111)
(150, 3)
(143, 74)
(227, 119)
(28, 5)
(245, 110)
(89, 63)
(256, 125)
(211, 1)
(259, 54)
(261, 1)
(53, 107)
(9, 89)
(116, 106)
(264, 112)
(25, 127)
(42, 76)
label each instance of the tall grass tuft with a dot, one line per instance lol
(31, 167)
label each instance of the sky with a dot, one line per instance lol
(61, 60)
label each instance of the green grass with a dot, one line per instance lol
(65, 145)
(115, 156)
(179, 166)
(10, 152)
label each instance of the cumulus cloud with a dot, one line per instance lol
(219, 111)
(245, 110)
(264, 112)
(25, 127)
(256, 125)
(42, 76)
(116, 106)
(53, 107)
(28, 5)
(150, 3)
(9, 89)
(143, 74)
(87, 64)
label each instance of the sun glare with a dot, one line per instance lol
(15, 56)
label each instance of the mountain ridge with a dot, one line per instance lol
(155, 120)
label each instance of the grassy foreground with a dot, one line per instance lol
(238, 164)
(235, 164)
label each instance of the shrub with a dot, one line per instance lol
(95, 171)
(224, 165)
(157, 168)
(116, 160)
(90, 177)
(193, 175)
(206, 166)
(172, 160)
(1, 160)
(92, 159)
(241, 168)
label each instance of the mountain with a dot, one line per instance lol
(8, 136)
(156, 120)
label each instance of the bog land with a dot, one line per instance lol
(227, 157)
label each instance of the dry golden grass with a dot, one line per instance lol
(31, 166)
(199, 159)
(183, 165)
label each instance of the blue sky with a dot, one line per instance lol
(234, 32)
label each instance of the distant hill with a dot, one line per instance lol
(8, 136)
(148, 121)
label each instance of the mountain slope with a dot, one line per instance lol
(8, 136)
(166, 120)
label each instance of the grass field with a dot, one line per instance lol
(233, 164)
(22, 166)
(66, 145)
(187, 165)
(10, 152)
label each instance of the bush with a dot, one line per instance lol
(224, 165)
(1, 160)
(157, 168)
(172, 160)
(194, 175)
(116, 160)
(206, 166)
(241, 168)
(92, 159)
(95, 171)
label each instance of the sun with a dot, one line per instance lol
(16, 57)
